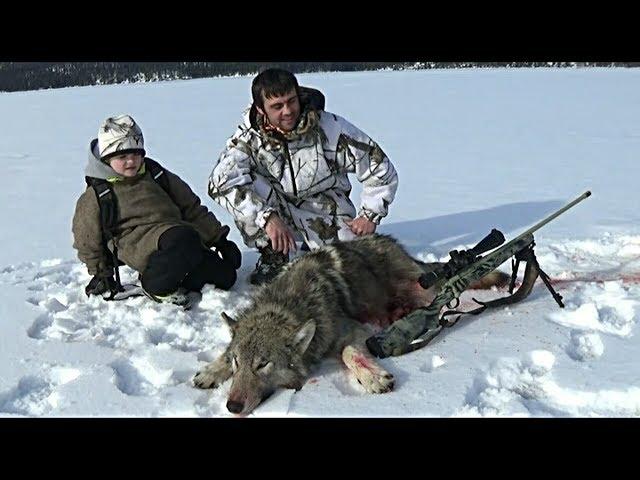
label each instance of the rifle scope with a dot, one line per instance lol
(462, 259)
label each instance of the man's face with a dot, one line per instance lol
(282, 111)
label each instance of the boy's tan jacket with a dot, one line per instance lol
(145, 211)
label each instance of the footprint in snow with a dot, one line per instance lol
(36, 395)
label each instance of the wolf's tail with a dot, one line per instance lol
(493, 279)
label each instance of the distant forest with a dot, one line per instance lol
(20, 76)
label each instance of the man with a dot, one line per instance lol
(283, 174)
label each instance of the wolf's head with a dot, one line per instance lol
(266, 353)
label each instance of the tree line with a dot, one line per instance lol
(21, 76)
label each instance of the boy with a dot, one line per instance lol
(162, 232)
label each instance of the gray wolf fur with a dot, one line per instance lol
(314, 308)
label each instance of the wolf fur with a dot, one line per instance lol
(315, 308)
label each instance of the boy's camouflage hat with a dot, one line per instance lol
(119, 135)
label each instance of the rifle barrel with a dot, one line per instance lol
(546, 220)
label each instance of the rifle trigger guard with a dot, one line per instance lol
(457, 302)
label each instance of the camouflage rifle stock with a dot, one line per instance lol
(416, 329)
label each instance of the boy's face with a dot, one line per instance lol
(126, 165)
(282, 111)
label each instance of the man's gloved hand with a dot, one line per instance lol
(229, 250)
(99, 285)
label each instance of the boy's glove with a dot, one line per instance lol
(229, 250)
(99, 285)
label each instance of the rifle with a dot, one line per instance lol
(419, 327)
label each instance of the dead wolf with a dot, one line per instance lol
(316, 307)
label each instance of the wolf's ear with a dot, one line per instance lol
(230, 321)
(303, 337)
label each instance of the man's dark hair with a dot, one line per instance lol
(272, 82)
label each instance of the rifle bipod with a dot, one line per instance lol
(531, 272)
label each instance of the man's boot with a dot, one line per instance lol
(269, 265)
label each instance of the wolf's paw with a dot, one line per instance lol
(377, 382)
(203, 379)
(213, 375)
(372, 377)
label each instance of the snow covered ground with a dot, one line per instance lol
(475, 149)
